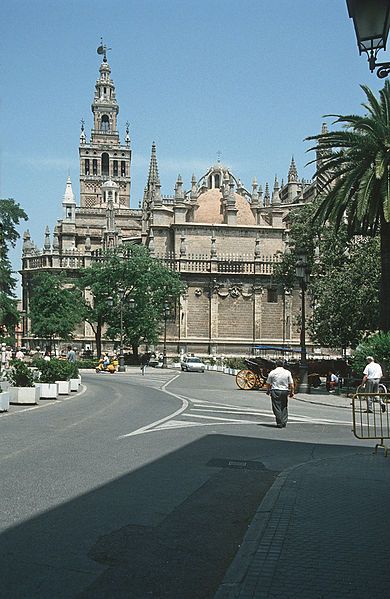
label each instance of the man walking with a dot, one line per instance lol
(372, 375)
(71, 355)
(280, 385)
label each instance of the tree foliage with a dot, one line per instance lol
(129, 273)
(10, 216)
(355, 168)
(56, 307)
(378, 346)
(343, 283)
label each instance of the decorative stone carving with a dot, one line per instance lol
(198, 292)
(234, 291)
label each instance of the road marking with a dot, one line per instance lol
(147, 427)
(171, 422)
(232, 420)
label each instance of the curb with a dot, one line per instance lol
(238, 581)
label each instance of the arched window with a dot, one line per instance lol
(105, 164)
(115, 168)
(87, 166)
(105, 123)
(94, 166)
(123, 168)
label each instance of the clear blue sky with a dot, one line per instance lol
(249, 78)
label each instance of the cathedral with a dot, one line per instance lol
(222, 237)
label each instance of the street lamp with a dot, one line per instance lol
(371, 19)
(122, 297)
(166, 314)
(301, 274)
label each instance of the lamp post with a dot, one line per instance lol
(166, 314)
(371, 19)
(122, 297)
(301, 273)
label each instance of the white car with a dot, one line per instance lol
(192, 364)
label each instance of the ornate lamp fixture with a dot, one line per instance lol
(371, 19)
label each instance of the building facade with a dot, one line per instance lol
(222, 238)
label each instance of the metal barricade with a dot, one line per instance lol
(374, 424)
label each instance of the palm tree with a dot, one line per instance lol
(353, 168)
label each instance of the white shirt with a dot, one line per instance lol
(373, 370)
(280, 378)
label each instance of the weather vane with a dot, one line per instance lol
(102, 49)
(219, 154)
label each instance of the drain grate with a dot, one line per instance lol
(242, 464)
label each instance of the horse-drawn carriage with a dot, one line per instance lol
(258, 367)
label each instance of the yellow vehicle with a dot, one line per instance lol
(107, 364)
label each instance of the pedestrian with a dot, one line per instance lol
(372, 375)
(280, 385)
(71, 355)
(4, 357)
(47, 357)
(19, 355)
(145, 362)
(332, 381)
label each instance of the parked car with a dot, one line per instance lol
(192, 364)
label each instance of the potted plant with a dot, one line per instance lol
(65, 370)
(22, 388)
(47, 378)
(75, 378)
(4, 396)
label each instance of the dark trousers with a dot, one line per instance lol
(279, 405)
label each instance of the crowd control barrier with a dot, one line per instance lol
(375, 424)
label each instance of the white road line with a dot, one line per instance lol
(146, 428)
(191, 415)
(170, 422)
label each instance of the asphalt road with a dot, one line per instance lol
(144, 486)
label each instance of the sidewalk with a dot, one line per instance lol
(321, 531)
(326, 399)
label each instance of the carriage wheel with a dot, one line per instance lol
(246, 380)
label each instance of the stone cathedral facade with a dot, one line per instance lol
(223, 238)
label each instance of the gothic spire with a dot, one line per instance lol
(292, 172)
(153, 168)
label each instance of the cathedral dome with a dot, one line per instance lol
(210, 209)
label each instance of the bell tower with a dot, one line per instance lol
(104, 158)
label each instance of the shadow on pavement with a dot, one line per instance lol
(169, 529)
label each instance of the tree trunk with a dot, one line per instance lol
(384, 299)
(98, 339)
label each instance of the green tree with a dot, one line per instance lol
(355, 169)
(378, 346)
(344, 277)
(129, 273)
(56, 307)
(345, 296)
(10, 216)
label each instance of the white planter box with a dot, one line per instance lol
(75, 384)
(63, 387)
(49, 390)
(24, 395)
(4, 401)
(4, 385)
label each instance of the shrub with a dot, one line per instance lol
(55, 370)
(86, 363)
(20, 375)
(237, 363)
(378, 346)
